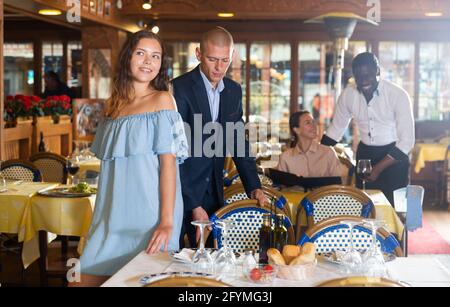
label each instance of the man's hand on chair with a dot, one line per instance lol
(259, 195)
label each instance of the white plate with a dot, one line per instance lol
(146, 279)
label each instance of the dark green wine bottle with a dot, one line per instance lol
(279, 233)
(265, 238)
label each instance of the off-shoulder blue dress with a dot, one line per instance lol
(127, 207)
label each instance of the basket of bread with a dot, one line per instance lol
(295, 262)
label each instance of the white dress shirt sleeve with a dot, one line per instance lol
(404, 122)
(342, 116)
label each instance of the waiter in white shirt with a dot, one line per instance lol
(384, 116)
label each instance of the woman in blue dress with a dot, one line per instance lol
(140, 142)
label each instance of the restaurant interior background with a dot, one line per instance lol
(282, 63)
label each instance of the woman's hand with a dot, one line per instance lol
(160, 237)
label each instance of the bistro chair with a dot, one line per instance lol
(248, 216)
(334, 200)
(20, 170)
(233, 178)
(236, 192)
(362, 281)
(187, 281)
(51, 165)
(408, 205)
(330, 235)
(350, 170)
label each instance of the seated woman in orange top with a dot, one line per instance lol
(307, 157)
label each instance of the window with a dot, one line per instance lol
(18, 70)
(270, 81)
(434, 83)
(74, 64)
(52, 57)
(397, 61)
(237, 70)
(316, 76)
(181, 57)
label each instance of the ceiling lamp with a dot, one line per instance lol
(225, 14)
(155, 29)
(50, 12)
(147, 4)
(434, 14)
(340, 27)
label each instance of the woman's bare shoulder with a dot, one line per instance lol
(163, 100)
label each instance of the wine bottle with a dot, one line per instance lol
(279, 233)
(265, 238)
(41, 147)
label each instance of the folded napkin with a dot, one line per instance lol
(186, 254)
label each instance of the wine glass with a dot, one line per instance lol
(202, 260)
(373, 259)
(352, 258)
(72, 166)
(225, 261)
(364, 169)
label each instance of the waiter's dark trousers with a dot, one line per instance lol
(211, 205)
(392, 178)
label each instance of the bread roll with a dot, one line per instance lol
(303, 259)
(275, 256)
(290, 252)
(308, 249)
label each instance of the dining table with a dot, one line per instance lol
(25, 212)
(415, 270)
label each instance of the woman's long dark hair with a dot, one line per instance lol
(294, 123)
(122, 90)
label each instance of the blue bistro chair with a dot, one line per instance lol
(335, 200)
(232, 177)
(20, 170)
(330, 235)
(236, 192)
(408, 204)
(248, 216)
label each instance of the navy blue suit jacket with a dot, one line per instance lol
(192, 99)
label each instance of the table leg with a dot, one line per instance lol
(43, 261)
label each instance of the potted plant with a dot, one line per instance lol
(57, 106)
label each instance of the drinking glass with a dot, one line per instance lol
(373, 259)
(72, 166)
(202, 261)
(352, 258)
(225, 261)
(364, 169)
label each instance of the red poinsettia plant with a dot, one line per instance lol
(57, 105)
(22, 105)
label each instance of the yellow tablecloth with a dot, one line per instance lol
(56, 215)
(383, 209)
(91, 164)
(23, 212)
(428, 152)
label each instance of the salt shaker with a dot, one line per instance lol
(249, 261)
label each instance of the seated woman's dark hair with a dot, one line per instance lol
(293, 123)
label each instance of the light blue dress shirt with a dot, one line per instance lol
(213, 95)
